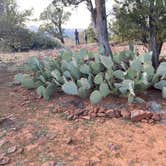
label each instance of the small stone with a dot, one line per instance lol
(48, 163)
(51, 136)
(86, 117)
(12, 149)
(58, 164)
(101, 114)
(51, 105)
(70, 117)
(151, 121)
(163, 116)
(102, 110)
(153, 106)
(93, 115)
(117, 113)
(79, 112)
(125, 114)
(20, 150)
(156, 117)
(94, 160)
(3, 141)
(144, 120)
(138, 115)
(4, 161)
(110, 113)
(69, 141)
(2, 155)
(114, 148)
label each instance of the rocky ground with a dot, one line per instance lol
(68, 131)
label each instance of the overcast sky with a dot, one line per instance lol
(80, 17)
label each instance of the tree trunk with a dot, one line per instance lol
(61, 34)
(101, 26)
(155, 46)
(62, 40)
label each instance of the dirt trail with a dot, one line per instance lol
(36, 136)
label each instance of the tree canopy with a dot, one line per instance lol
(54, 16)
(143, 20)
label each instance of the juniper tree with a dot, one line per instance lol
(143, 20)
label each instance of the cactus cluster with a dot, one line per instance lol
(89, 74)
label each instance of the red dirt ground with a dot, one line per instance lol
(39, 133)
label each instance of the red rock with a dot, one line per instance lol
(110, 113)
(101, 110)
(86, 117)
(20, 150)
(94, 161)
(70, 117)
(144, 120)
(156, 117)
(101, 114)
(49, 163)
(51, 136)
(4, 161)
(3, 141)
(2, 155)
(69, 141)
(117, 113)
(96, 110)
(12, 149)
(151, 121)
(93, 115)
(163, 116)
(138, 115)
(125, 114)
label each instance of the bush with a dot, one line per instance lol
(88, 74)
(41, 41)
(24, 40)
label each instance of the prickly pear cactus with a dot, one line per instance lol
(87, 74)
(95, 97)
(164, 92)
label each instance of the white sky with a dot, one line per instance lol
(80, 16)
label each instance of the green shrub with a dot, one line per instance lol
(40, 41)
(22, 39)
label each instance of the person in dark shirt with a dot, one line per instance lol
(86, 37)
(77, 37)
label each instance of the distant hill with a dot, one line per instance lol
(68, 32)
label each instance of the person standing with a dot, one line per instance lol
(77, 37)
(86, 37)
